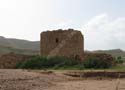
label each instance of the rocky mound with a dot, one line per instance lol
(10, 60)
(101, 56)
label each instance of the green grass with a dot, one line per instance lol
(119, 67)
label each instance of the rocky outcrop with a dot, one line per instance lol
(101, 56)
(10, 60)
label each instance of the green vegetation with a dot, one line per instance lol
(96, 63)
(45, 63)
(118, 67)
(119, 60)
(64, 63)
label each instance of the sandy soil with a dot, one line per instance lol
(36, 80)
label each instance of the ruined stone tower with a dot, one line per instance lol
(61, 43)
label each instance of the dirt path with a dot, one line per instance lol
(22, 80)
(31, 80)
(87, 85)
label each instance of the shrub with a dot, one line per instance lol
(96, 62)
(44, 63)
(34, 63)
(119, 60)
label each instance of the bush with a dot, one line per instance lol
(34, 63)
(44, 63)
(119, 60)
(96, 63)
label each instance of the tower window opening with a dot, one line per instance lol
(57, 40)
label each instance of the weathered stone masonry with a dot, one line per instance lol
(61, 43)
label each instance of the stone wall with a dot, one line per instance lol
(61, 43)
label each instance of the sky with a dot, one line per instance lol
(102, 22)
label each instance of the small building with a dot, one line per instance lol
(61, 43)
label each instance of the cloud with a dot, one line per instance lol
(103, 32)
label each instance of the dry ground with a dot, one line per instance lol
(37, 80)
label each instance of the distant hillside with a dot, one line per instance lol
(18, 46)
(114, 52)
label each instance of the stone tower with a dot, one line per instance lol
(61, 43)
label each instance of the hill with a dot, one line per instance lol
(113, 52)
(18, 46)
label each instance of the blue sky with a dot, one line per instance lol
(101, 21)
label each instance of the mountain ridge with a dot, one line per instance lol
(113, 52)
(19, 46)
(19, 43)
